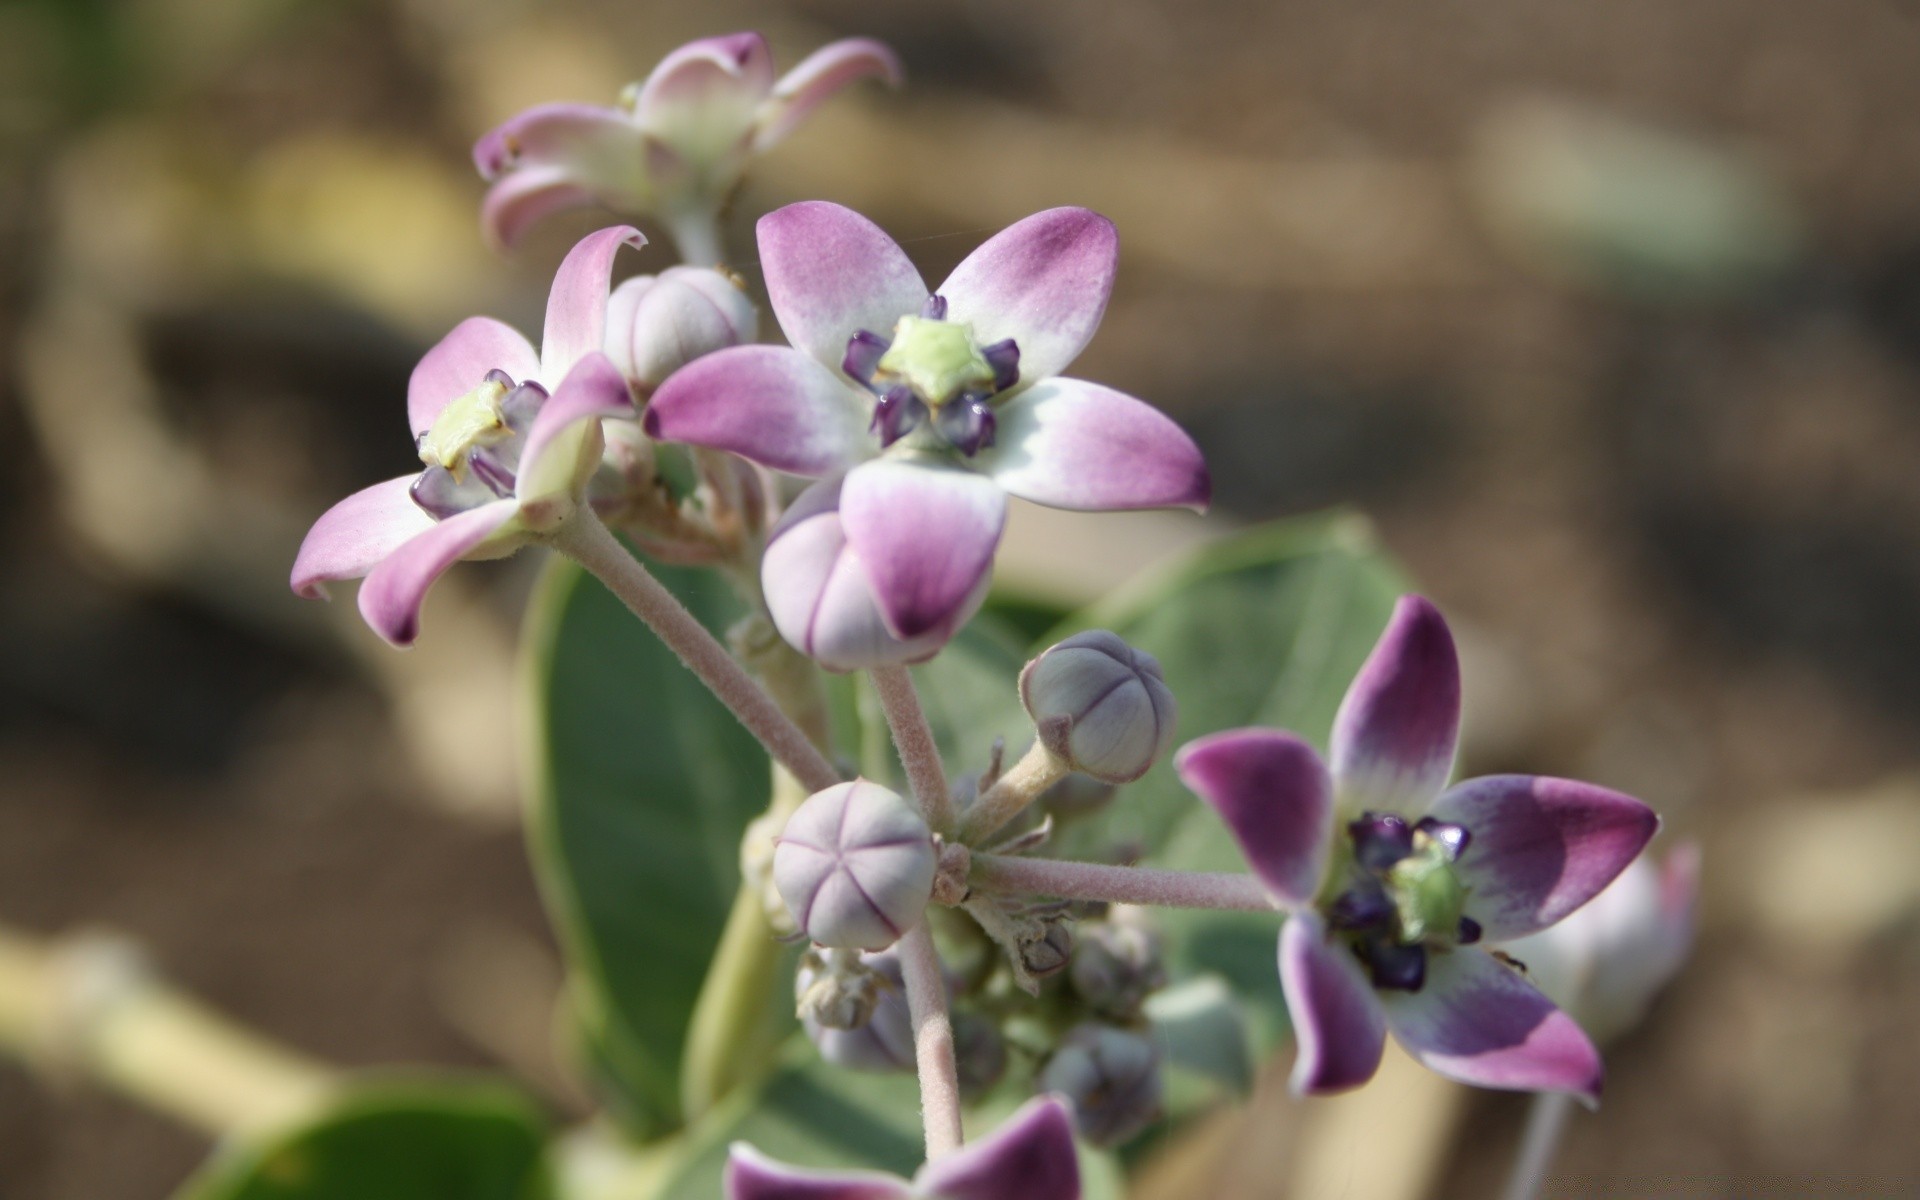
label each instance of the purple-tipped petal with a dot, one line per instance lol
(818, 76)
(390, 598)
(519, 199)
(773, 405)
(832, 273)
(353, 536)
(1030, 1157)
(1274, 794)
(577, 305)
(562, 449)
(1067, 443)
(459, 362)
(1541, 847)
(1394, 736)
(1339, 1030)
(926, 535)
(706, 79)
(751, 1175)
(1043, 282)
(1477, 1021)
(574, 137)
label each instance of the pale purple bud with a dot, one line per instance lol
(657, 324)
(1117, 965)
(867, 986)
(1111, 1079)
(1101, 705)
(855, 866)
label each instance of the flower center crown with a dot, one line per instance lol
(468, 423)
(937, 359)
(472, 452)
(1398, 896)
(935, 383)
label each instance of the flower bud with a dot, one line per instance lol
(855, 866)
(882, 1038)
(980, 1053)
(657, 324)
(1110, 1077)
(1117, 964)
(1045, 946)
(1101, 705)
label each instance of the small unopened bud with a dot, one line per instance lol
(855, 866)
(882, 1040)
(657, 324)
(1101, 705)
(980, 1053)
(835, 989)
(1046, 945)
(1110, 1077)
(1117, 965)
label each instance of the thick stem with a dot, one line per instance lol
(585, 540)
(1228, 892)
(696, 235)
(1546, 1121)
(913, 738)
(932, 1041)
(1038, 769)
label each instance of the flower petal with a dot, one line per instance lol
(1476, 1020)
(577, 305)
(1540, 847)
(831, 273)
(390, 598)
(1043, 282)
(730, 73)
(819, 76)
(1273, 792)
(926, 534)
(561, 449)
(587, 141)
(773, 405)
(519, 199)
(1339, 1028)
(1394, 736)
(751, 1175)
(353, 536)
(1030, 1157)
(1071, 444)
(459, 362)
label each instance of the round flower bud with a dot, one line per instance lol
(855, 866)
(1110, 1077)
(657, 324)
(1117, 965)
(883, 1038)
(1046, 945)
(1101, 705)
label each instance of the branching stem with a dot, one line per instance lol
(913, 738)
(1038, 769)
(1230, 892)
(932, 1041)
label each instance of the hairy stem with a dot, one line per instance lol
(1038, 769)
(585, 540)
(1546, 1121)
(1229, 892)
(932, 1041)
(696, 235)
(913, 738)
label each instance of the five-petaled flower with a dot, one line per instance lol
(507, 437)
(1395, 884)
(1031, 1157)
(676, 144)
(920, 413)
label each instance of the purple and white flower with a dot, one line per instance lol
(922, 412)
(1397, 888)
(507, 436)
(1031, 1157)
(675, 145)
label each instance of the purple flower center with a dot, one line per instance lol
(933, 383)
(1400, 897)
(472, 452)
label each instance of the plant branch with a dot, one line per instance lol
(913, 738)
(1226, 891)
(1546, 1121)
(932, 1041)
(1038, 769)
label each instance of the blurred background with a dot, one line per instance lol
(1607, 315)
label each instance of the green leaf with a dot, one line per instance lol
(642, 785)
(392, 1141)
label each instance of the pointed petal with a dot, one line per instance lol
(1540, 847)
(390, 598)
(1030, 1157)
(1043, 282)
(1477, 1021)
(1338, 1027)
(1394, 736)
(1273, 792)
(1071, 444)
(751, 1175)
(926, 535)
(353, 536)
(459, 362)
(832, 273)
(587, 141)
(519, 199)
(577, 305)
(561, 448)
(820, 75)
(706, 79)
(773, 405)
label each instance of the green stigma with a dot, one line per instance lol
(1426, 892)
(464, 425)
(937, 359)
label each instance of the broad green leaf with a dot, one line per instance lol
(641, 786)
(392, 1141)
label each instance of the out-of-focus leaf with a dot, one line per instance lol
(1201, 1028)
(392, 1141)
(641, 787)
